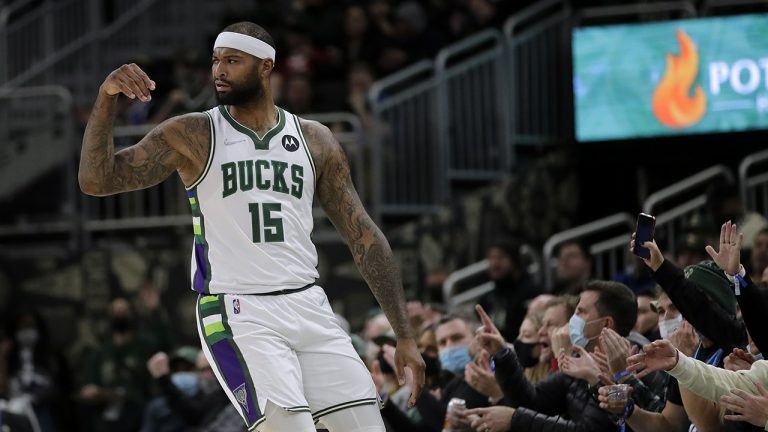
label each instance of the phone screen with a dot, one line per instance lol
(644, 232)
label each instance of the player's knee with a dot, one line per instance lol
(280, 420)
(362, 418)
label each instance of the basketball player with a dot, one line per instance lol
(251, 170)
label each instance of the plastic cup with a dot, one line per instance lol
(618, 395)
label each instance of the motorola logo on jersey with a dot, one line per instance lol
(290, 143)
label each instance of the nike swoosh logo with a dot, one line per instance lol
(233, 142)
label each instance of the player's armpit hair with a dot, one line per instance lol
(250, 29)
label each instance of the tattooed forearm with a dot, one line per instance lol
(370, 249)
(96, 158)
(154, 158)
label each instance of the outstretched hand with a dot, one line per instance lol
(407, 355)
(747, 407)
(656, 356)
(583, 367)
(656, 259)
(728, 258)
(129, 80)
(488, 335)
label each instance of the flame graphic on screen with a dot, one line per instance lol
(672, 105)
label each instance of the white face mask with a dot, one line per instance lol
(667, 327)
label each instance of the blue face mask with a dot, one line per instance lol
(454, 359)
(576, 330)
(187, 383)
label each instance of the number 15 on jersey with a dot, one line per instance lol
(273, 226)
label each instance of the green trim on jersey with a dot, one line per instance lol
(211, 151)
(259, 143)
(306, 147)
(241, 360)
(198, 228)
(345, 405)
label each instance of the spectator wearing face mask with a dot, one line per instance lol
(38, 378)
(190, 397)
(560, 402)
(456, 349)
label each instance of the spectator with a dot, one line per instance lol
(513, 287)
(528, 348)
(116, 384)
(38, 378)
(758, 257)
(190, 397)
(574, 268)
(556, 315)
(647, 317)
(690, 250)
(298, 94)
(637, 276)
(724, 204)
(550, 402)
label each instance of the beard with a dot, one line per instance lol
(249, 91)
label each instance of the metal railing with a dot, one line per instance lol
(451, 298)
(406, 151)
(36, 136)
(539, 102)
(473, 109)
(611, 250)
(671, 221)
(754, 185)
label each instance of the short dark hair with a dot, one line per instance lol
(509, 246)
(471, 322)
(579, 244)
(617, 301)
(250, 29)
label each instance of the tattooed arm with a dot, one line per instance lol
(365, 240)
(173, 145)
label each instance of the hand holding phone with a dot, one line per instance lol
(646, 224)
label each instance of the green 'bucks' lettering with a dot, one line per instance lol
(242, 175)
(278, 168)
(297, 175)
(245, 173)
(230, 179)
(260, 182)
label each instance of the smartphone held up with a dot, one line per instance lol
(644, 233)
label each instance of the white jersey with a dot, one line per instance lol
(252, 209)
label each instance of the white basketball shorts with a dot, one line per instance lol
(287, 348)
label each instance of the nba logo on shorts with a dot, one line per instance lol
(236, 305)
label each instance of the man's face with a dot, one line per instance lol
(572, 265)
(665, 309)
(554, 318)
(647, 319)
(452, 334)
(759, 257)
(587, 310)
(500, 264)
(236, 77)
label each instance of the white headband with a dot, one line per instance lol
(245, 43)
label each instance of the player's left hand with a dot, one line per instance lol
(407, 355)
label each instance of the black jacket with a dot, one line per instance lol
(557, 404)
(706, 316)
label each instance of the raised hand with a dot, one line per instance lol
(583, 367)
(479, 376)
(658, 355)
(129, 80)
(685, 338)
(656, 259)
(560, 340)
(738, 360)
(747, 407)
(728, 258)
(488, 335)
(616, 349)
(493, 419)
